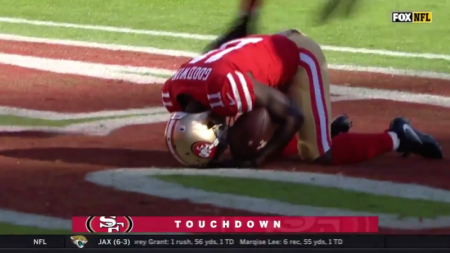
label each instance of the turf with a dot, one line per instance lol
(371, 27)
(10, 229)
(8, 120)
(302, 194)
(196, 46)
(148, 74)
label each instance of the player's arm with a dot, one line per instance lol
(282, 112)
(240, 94)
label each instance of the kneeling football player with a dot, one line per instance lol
(247, 72)
(287, 74)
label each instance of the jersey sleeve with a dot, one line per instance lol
(169, 98)
(234, 96)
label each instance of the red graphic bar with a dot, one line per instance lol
(211, 224)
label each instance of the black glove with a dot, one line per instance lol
(248, 164)
(340, 124)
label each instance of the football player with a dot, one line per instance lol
(287, 74)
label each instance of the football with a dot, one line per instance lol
(250, 133)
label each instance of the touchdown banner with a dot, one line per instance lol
(226, 224)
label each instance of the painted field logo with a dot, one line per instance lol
(109, 224)
(412, 17)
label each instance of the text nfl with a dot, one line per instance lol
(411, 17)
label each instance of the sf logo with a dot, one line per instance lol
(109, 224)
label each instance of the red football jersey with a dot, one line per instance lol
(218, 78)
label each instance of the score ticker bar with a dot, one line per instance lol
(243, 241)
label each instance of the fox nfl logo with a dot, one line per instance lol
(412, 17)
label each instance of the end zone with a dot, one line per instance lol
(141, 181)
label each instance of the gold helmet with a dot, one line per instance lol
(194, 138)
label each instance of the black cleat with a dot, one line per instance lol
(410, 142)
(414, 141)
(341, 124)
(430, 147)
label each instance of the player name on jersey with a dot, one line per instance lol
(192, 73)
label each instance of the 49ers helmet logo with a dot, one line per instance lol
(203, 149)
(109, 224)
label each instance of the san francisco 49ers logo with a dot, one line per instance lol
(203, 149)
(109, 224)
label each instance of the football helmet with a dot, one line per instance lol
(195, 139)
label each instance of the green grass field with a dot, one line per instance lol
(10, 229)
(370, 27)
(309, 195)
(9, 120)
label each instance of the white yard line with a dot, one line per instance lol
(105, 127)
(115, 72)
(177, 53)
(107, 28)
(400, 96)
(113, 47)
(96, 128)
(34, 220)
(386, 53)
(390, 71)
(51, 115)
(212, 37)
(159, 114)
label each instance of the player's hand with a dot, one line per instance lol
(250, 164)
(233, 163)
(341, 124)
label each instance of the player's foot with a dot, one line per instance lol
(430, 147)
(410, 142)
(340, 124)
(414, 141)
